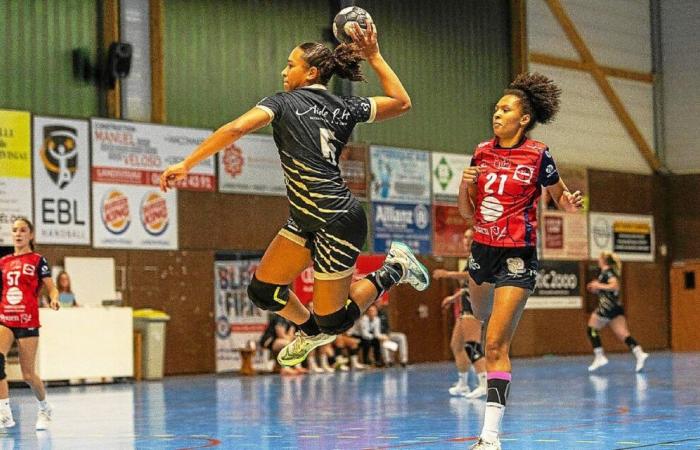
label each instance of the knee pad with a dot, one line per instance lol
(266, 296)
(474, 351)
(341, 320)
(2, 367)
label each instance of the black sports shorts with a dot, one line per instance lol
(608, 309)
(504, 266)
(20, 333)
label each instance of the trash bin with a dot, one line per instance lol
(151, 324)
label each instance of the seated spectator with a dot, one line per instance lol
(65, 293)
(277, 335)
(371, 335)
(394, 336)
(346, 348)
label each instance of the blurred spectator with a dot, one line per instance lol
(394, 336)
(279, 332)
(65, 293)
(371, 335)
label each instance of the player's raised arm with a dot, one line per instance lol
(396, 100)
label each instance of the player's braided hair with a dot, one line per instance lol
(539, 97)
(344, 61)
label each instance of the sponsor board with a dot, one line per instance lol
(558, 286)
(446, 174)
(630, 236)
(61, 181)
(251, 165)
(448, 231)
(15, 171)
(406, 222)
(400, 175)
(563, 235)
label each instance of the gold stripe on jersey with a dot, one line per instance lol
(289, 170)
(310, 202)
(329, 260)
(330, 250)
(307, 212)
(337, 250)
(334, 276)
(344, 242)
(301, 164)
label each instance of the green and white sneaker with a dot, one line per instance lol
(414, 273)
(296, 351)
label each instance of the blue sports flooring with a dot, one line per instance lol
(554, 404)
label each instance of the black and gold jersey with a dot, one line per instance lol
(310, 127)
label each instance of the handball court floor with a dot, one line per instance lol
(554, 404)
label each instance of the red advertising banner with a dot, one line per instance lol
(448, 230)
(366, 264)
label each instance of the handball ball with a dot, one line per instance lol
(345, 19)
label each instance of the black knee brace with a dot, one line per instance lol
(270, 297)
(474, 351)
(341, 320)
(594, 337)
(2, 367)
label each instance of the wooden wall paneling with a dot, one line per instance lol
(645, 304)
(218, 221)
(181, 284)
(684, 198)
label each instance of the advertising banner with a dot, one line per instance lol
(558, 286)
(405, 222)
(563, 235)
(251, 165)
(447, 175)
(136, 153)
(400, 175)
(576, 179)
(128, 216)
(15, 171)
(61, 181)
(238, 320)
(630, 236)
(353, 169)
(448, 231)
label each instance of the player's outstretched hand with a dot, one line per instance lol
(54, 304)
(365, 40)
(171, 175)
(572, 201)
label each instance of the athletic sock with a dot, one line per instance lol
(43, 404)
(464, 378)
(498, 390)
(598, 352)
(385, 277)
(310, 327)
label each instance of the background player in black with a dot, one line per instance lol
(326, 225)
(610, 312)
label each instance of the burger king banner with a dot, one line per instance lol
(128, 216)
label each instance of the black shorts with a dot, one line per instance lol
(20, 333)
(504, 266)
(609, 310)
(335, 247)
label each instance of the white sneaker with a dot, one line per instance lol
(6, 420)
(641, 359)
(343, 367)
(479, 391)
(459, 389)
(43, 420)
(296, 351)
(598, 362)
(414, 273)
(481, 444)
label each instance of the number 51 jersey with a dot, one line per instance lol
(21, 278)
(310, 127)
(509, 185)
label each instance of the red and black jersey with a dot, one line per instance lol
(20, 281)
(508, 187)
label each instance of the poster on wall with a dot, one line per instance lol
(405, 222)
(238, 321)
(61, 181)
(557, 286)
(563, 235)
(15, 171)
(399, 175)
(630, 236)
(448, 231)
(136, 153)
(251, 165)
(134, 217)
(446, 174)
(353, 169)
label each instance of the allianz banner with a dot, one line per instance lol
(61, 181)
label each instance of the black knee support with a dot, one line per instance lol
(270, 297)
(474, 351)
(341, 320)
(2, 367)
(594, 337)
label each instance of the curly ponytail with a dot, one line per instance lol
(538, 95)
(344, 61)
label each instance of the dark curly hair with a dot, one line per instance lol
(538, 95)
(344, 61)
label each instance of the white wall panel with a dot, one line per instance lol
(680, 22)
(616, 32)
(586, 132)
